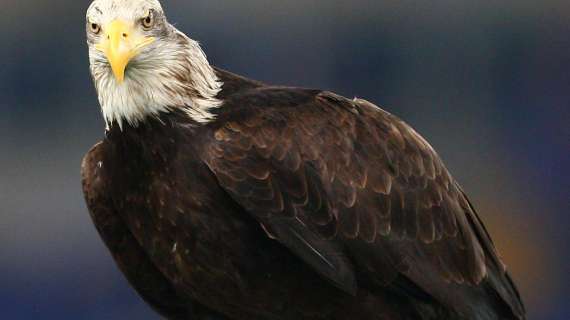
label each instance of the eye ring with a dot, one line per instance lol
(95, 28)
(148, 21)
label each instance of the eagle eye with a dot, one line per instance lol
(148, 21)
(94, 28)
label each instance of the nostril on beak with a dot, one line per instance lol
(125, 35)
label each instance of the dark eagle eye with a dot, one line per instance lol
(148, 21)
(95, 28)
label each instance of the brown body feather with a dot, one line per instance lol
(292, 204)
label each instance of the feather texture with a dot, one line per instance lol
(292, 204)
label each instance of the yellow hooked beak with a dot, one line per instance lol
(121, 43)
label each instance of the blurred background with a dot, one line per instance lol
(486, 82)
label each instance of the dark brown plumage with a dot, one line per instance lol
(292, 204)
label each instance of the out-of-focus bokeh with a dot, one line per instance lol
(486, 82)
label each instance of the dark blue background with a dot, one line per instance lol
(487, 83)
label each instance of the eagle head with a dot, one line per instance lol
(143, 66)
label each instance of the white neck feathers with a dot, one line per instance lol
(175, 74)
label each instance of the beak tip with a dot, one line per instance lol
(119, 76)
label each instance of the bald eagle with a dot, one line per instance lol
(221, 197)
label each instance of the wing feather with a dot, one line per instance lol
(130, 257)
(355, 180)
